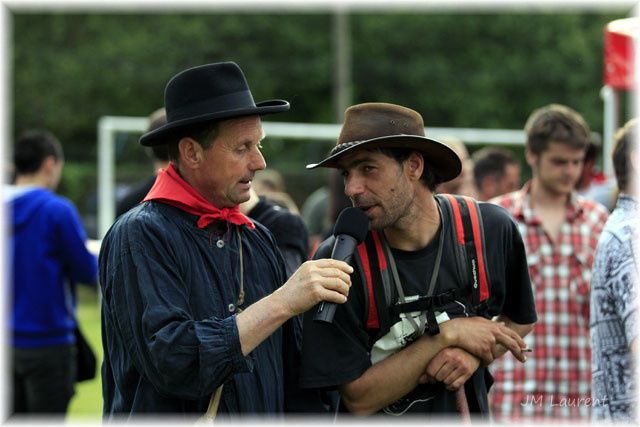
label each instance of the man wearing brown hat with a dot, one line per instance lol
(196, 312)
(410, 333)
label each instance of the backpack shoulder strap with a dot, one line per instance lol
(363, 264)
(375, 276)
(464, 214)
(461, 211)
(447, 203)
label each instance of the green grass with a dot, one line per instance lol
(86, 405)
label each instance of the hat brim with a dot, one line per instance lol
(442, 160)
(168, 132)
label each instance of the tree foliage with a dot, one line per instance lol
(487, 70)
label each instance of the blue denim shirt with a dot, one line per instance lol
(168, 328)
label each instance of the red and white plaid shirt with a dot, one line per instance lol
(555, 382)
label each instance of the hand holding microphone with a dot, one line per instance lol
(350, 230)
(325, 281)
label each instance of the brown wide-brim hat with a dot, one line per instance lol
(381, 125)
(207, 93)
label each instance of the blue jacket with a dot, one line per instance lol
(49, 258)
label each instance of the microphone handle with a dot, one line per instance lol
(343, 247)
(342, 250)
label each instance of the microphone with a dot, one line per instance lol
(350, 230)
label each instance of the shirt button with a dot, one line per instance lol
(232, 308)
(220, 243)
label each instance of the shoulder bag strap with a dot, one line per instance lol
(210, 416)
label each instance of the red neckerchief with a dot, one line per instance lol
(171, 189)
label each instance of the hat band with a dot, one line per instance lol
(219, 104)
(343, 146)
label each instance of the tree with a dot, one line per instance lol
(487, 70)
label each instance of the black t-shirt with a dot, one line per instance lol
(338, 353)
(287, 228)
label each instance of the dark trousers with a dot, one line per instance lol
(43, 379)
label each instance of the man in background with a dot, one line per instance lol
(560, 231)
(160, 157)
(495, 172)
(321, 209)
(287, 228)
(463, 183)
(593, 184)
(49, 259)
(270, 183)
(614, 293)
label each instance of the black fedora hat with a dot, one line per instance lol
(207, 93)
(382, 125)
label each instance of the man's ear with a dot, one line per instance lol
(191, 153)
(531, 158)
(49, 164)
(415, 165)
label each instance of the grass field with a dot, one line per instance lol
(86, 405)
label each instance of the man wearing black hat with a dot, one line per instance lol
(412, 332)
(195, 314)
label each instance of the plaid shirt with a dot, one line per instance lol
(555, 381)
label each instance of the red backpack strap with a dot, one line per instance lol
(364, 265)
(467, 221)
(376, 277)
(469, 231)
(478, 246)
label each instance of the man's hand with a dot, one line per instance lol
(479, 337)
(313, 282)
(453, 366)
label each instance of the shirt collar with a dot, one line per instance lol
(523, 210)
(628, 202)
(522, 204)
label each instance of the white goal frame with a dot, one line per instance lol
(109, 126)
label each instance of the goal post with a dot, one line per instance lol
(110, 126)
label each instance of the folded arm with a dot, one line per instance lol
(454, 366)
(387, 381)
